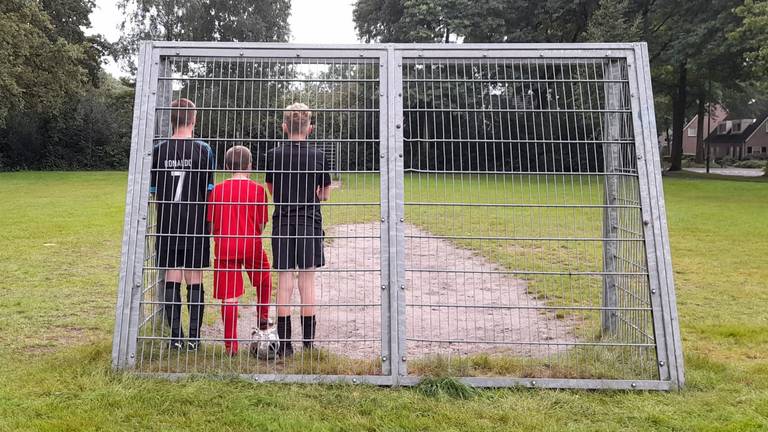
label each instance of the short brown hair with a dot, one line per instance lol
(297, 117)
(238, 158)
(184, 115)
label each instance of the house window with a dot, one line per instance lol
(691, 132)
(763, 150)
(721, 128)
(736, 127)
(749, 150)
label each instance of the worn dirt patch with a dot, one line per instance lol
(457, 302)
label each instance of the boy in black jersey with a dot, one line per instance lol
(297, 180)
(182, 175)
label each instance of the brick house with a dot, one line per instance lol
(689, 131)
(739, 138)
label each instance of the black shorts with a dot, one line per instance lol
(297, 246)
(179, 253)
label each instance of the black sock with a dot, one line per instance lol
(172, 308)
(308, 324)
(195, 299)
(284, 333)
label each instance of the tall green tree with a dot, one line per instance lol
(614, 21)
(58, 110)
(200, 20)
(752, 34)
(690, 49)
(69, 18)
(40, 66)
(472, 21)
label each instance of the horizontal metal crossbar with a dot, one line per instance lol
(530, 343)
(531, 173)
(165, 338)
(521, 205)
(517, 238)
(516, 110)
(269, 79)
(512, 80)
(533, 307)
(267, 109)
(489, 382)
(222, 203)
(272, 140)
(250, 304)
(318, 270)
(208, 170)
(234, 236)
(525, 272)
(523, 141)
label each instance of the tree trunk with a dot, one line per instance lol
(678, 117)
(700, 131)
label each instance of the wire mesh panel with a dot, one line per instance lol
(524, 235)
(212, 273)
(487, 212)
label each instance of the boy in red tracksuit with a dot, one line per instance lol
(237, 210)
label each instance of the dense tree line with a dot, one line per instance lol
(90, 129)
(58, 110)
(701, 51)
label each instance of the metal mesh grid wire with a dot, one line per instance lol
(493, 217)
(240, 102)
(520, 175)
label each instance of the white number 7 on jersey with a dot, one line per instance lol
(179, 184)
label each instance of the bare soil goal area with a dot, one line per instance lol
(449, 309)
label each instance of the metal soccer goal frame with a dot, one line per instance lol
(626, 83)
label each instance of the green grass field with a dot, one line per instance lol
(59, 256)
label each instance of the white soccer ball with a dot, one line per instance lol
(265, 344)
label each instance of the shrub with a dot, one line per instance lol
(750, 163)
(725, 161)
(757, 156)
(690, 162)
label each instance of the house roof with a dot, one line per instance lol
(736, 138)
(758, 127)
(719, 113)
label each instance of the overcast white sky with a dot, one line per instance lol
(312, 21)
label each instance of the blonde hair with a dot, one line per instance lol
(297, 117)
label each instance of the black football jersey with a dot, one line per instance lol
(182, 174)
(295, 170)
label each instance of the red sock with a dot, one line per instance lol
(265, 292)
(229, 316)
